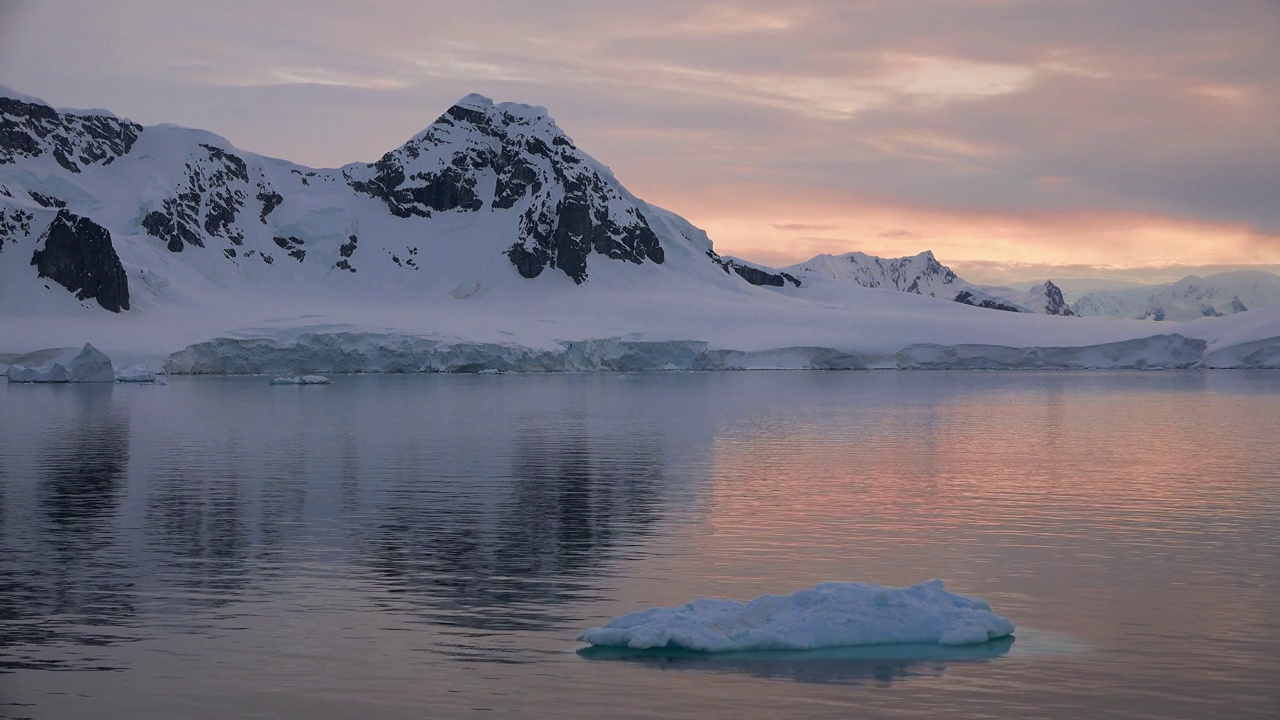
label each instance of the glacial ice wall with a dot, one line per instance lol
(396, 353)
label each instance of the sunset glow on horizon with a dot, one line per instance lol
(999, 135)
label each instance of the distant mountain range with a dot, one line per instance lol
(489, 223)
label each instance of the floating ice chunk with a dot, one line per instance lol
(20, 374)
(55, 373)
(829, 615)
(91, 365)
(300, 380)
(136, 374)
(52, 373)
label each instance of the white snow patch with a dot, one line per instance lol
(843, 614)
(300, 380)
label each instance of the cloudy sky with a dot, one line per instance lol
(1015, 138)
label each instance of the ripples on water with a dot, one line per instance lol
(430, 546)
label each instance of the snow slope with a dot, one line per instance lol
(1187, 299)
(919, 274)
(487, 241)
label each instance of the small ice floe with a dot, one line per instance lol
(91, 365)
(300, 380)
(830, 615)
(827, 666)
(136, 374)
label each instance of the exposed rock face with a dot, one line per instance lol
(270, 200)
(1054, 304)
(15, 223)
(970, 297)
(75, 141)
(77, 253)
(479, 156)
(753, 274)
(210, 199)
(293, 246)
(46, 201)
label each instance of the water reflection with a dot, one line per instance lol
(834, 666)
(234, 549)
(62, 561)
(196, 526)
(510, 558)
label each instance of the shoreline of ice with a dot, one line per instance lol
(313, 353)
(353, 352)
(829, 615)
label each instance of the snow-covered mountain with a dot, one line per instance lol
(1045, 298)
(919, 274)
(483, 184)
(1187, 299)
(489, 239)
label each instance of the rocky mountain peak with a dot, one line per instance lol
(29, 128)
(479, 156)
(921, 274)
(1054, 304)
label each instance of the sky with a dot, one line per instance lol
(1017, 139)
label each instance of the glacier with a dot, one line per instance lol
(394, 353)
(829, 615)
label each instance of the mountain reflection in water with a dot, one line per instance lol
(431, 546)
(571, 501)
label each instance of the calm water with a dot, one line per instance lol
(426, 546)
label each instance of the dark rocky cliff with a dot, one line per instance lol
(77, 253)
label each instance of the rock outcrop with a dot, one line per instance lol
(77, 253)
(75, 141)
(479, 156)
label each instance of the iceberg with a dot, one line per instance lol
(52, 373)
(300, 380)
(91, 365)
(842, 666)
(830, 615)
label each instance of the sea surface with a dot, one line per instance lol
(409, 546)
